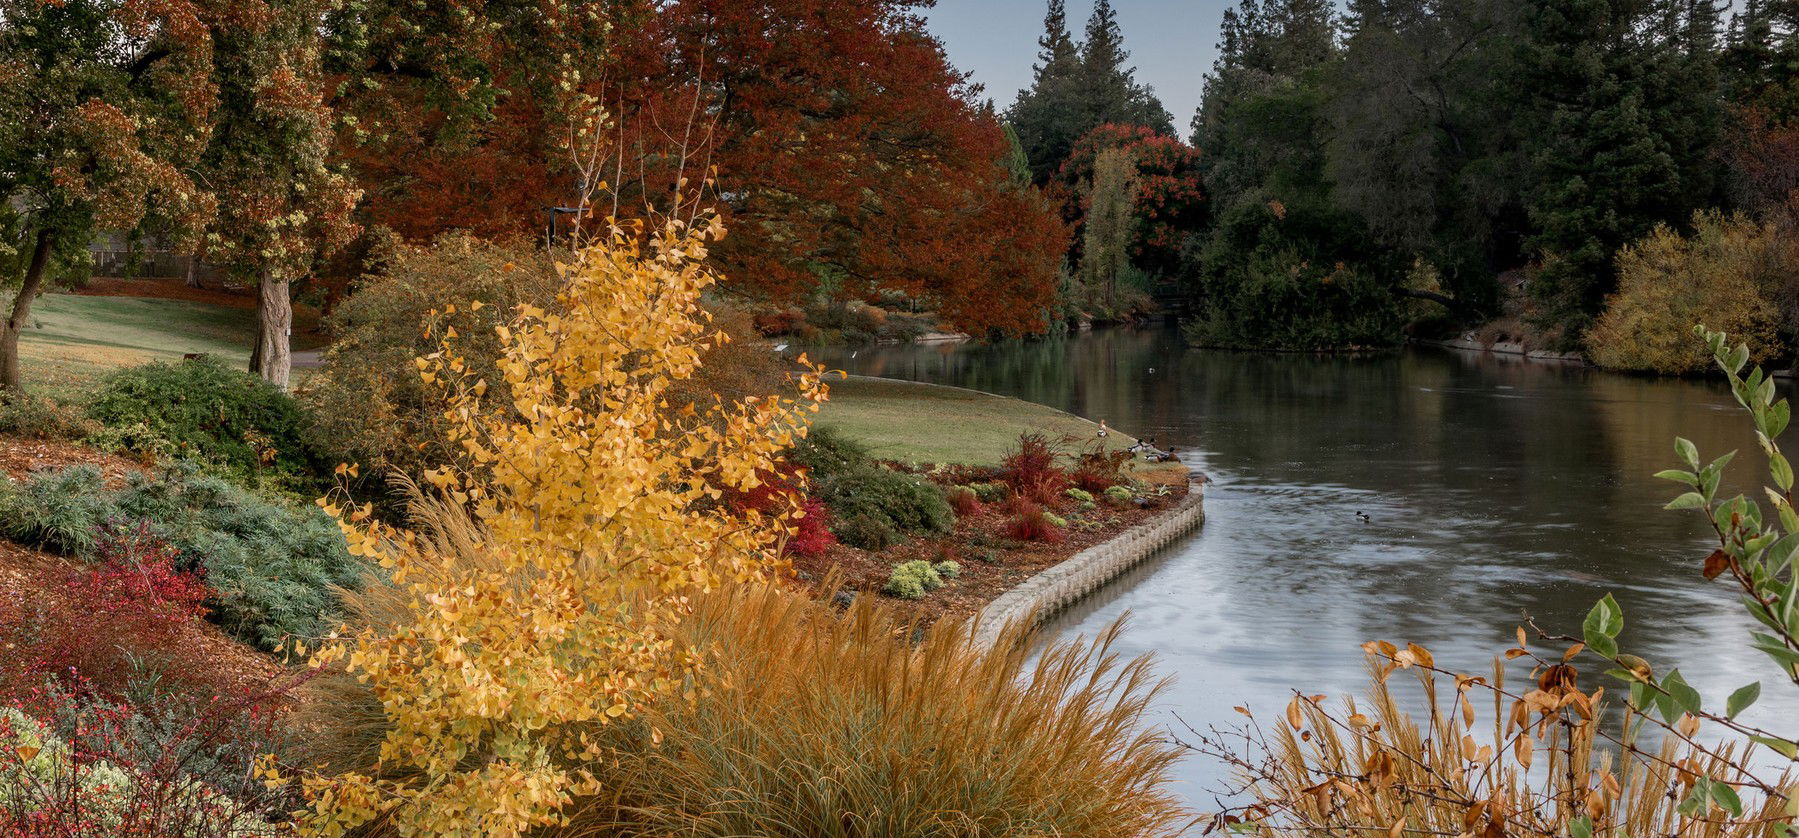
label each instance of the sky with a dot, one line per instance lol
(1172, 43)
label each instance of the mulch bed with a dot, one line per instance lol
(976, 539)
(19, 457)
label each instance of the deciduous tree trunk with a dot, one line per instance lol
(274, 329)
(21, 311)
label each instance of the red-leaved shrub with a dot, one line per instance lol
(1096, 469)
(1030, 469)
(1031, 522)
(963, 500)
(814, 531)
(131, 606)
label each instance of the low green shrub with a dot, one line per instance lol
(22, 414)
(1120, 495)
(1055, 519)
(136, 438)
(853, 485)
(1079, 494)
(948, 569)
(210, 412)
(866, 532)
(989, 492)
(914, 579)
(275, 567)
(57, 510)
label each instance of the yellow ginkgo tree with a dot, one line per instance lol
(595, 505)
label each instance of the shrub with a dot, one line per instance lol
(866, 532)
(1032, 523)
(369, 403)
(912, 580)
(108, 621)
(207, 411)
(1120, 495)
(948, 569)
(963, 500)
(273, 567)
(1097, 469)
(813, 536)
(136, 438)
(853, 486)
(73, 766)
(989, 492)
(22, 414)
(1078, 494)
(1729, 271)
(59, 510)
(1030, 469)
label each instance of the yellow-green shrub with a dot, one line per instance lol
(1727, 272)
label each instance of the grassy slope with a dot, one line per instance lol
(73, 339)
(924, 423)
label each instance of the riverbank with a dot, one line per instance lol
(1515, 349)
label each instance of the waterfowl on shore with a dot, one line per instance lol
(1102, 429)
(1142, 446)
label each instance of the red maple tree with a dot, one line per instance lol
(1170, 200)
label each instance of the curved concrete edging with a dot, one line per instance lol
(1038, 598)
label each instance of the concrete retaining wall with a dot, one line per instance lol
(1038, 598)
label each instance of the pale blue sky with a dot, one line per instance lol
(1172, 43)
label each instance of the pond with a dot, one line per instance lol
(1494, 488)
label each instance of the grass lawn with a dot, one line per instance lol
(925, 423)
(72, 340)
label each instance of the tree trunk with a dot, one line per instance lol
(193, 267)
(21, 310)
(274, 328)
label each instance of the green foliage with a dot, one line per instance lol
(22, 414)
(989, 492)
(274, 567)
(866, 532)
(210, 412)
(948, 569)
(854, 486)
(1082, 495)
(1730, 272)
(1273, 276)
(1120, 495)
(57, 510)
(368, 403)
(914, 579)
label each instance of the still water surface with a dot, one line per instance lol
(1495, 488)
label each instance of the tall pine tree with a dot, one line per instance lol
(1077, 87)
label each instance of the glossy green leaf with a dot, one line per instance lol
(1741, 699)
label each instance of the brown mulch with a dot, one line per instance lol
(975, 539)
(20, 456)
(169, 289)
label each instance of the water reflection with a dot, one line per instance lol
(1495, 488)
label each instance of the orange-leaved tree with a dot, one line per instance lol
(592, 505)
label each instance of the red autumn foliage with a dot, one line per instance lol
(851, 156)
(131, 604)
(964, 501)
(1030, 469)
(814, 536)
(1030, 522)
(1169, 199)
(1097, 469)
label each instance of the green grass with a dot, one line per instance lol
(925, 423)
(73, 340)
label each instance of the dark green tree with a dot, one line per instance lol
(1109, 88)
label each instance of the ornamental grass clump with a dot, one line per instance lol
(811, 724)
(594, 508)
